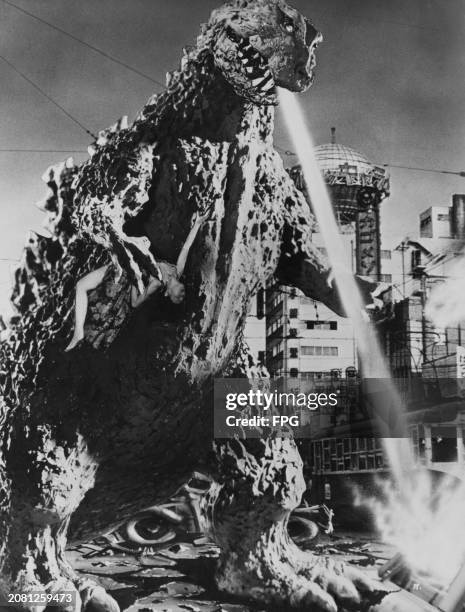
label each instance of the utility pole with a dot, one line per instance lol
(402, 247)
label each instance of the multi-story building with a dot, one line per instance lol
(304, 338)
(307, 345)
(430, 359)
(410, 340)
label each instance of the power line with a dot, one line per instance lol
(86, 44)
(414, 168)
(43, 151)
(425, 169)
(49, 98)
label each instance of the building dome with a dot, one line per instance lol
(346, 172)
(332, 156)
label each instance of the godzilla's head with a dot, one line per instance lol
(261, 44)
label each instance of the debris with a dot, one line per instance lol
(156, 561)
(158, 572)
(363, 561)
(182, 588)
(177, 548)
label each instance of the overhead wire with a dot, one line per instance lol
(43, 150)
(85, 43)
(389, 165)
(110, 57)
(46, 95)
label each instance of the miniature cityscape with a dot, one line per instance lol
(306, 346)
(116, 487)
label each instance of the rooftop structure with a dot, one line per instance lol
(346, 172)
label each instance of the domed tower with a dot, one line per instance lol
(357, 187)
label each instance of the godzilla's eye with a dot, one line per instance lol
(289, 27)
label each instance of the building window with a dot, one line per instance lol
(385, 278)
(294, 372)
(344, 455)
(261, 356)
(292, 332)
(443, 217)
(294, 353)
(322, 325)
(293, 313)
(320, 351)
(416, 259)
(385, 254)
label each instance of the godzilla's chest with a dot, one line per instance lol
(238, 184)
(252, 221)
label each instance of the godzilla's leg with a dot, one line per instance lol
(260, 483)
(48, 481)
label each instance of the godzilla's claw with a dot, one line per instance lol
(314, 597)
(343, 590)
(358, 578)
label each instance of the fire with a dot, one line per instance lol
(424, 521)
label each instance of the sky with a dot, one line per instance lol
(390, 78)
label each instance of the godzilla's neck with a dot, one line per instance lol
(199, 102)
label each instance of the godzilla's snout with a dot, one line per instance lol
(300, 75)
(264, 46)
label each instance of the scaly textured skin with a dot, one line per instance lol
(91, 436)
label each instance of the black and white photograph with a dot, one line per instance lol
(232, 305)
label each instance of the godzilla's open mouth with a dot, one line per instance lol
(254, 64)
(258, 72)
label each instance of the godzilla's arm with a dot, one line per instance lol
(307, 270)
(302, 265)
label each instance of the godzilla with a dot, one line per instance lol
(93, 435)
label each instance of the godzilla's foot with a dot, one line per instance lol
(290, 578)
(94, 598)
(342, 585)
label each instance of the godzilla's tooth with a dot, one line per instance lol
(267, 82)
(249, 69)
(268, 85)
(257, 82)
(240, 53)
